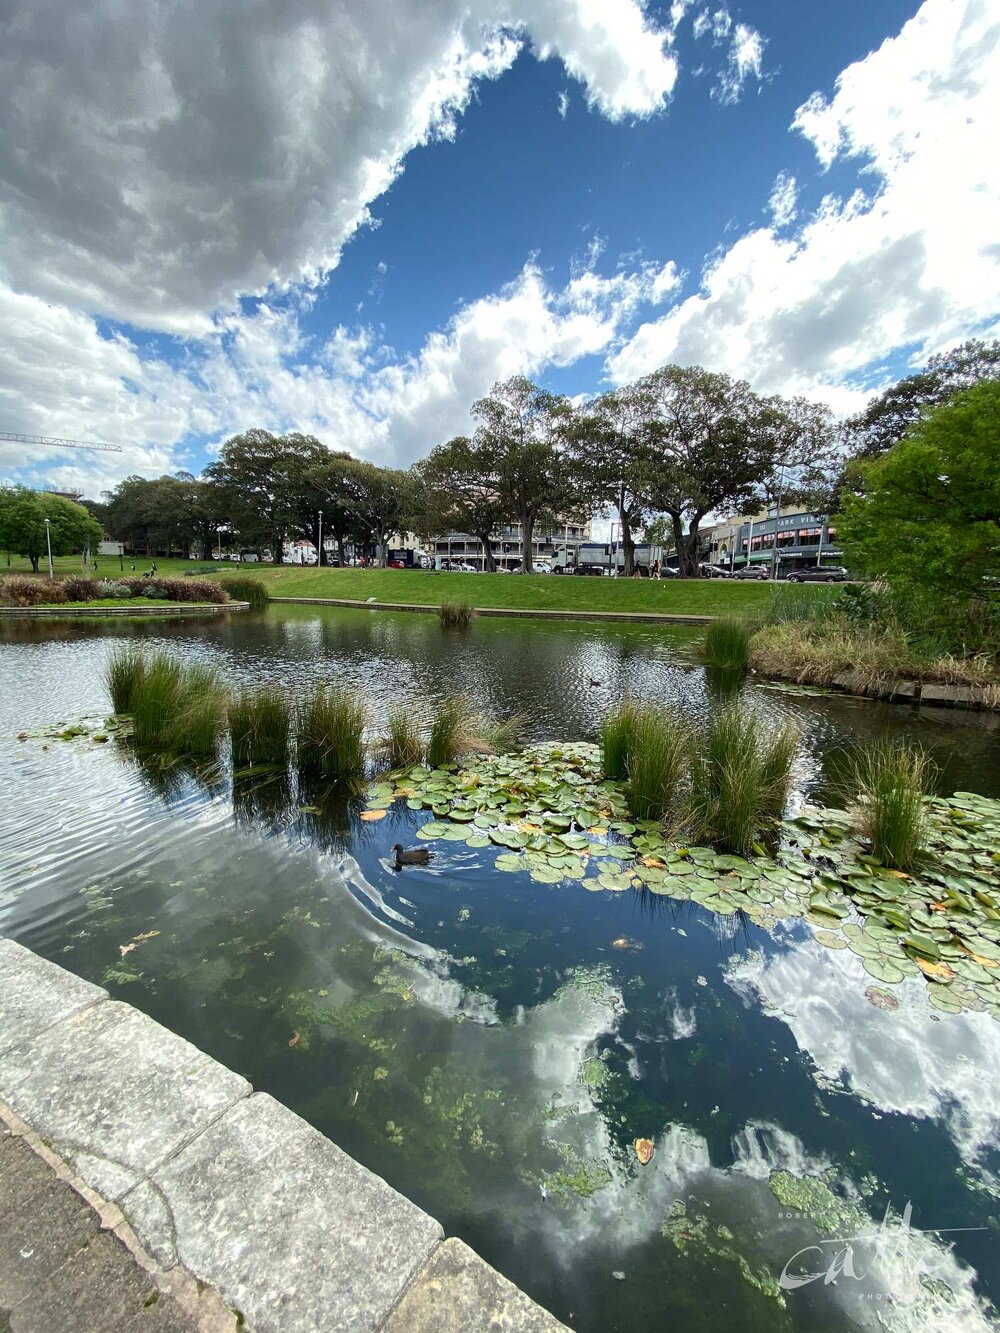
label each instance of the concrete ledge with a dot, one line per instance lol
(225, 1190)
(906, 691)
(73, 611)
(513, 613)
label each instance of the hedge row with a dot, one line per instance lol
(23, 590)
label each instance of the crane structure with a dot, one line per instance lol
(15, 437)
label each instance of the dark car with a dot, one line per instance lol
(819, 574)
(760, 572)
(709, 571)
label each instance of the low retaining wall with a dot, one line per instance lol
(516, 613)
(912, 692)
(226, 1183)
(71, 610)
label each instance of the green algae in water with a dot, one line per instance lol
(594, 1073)
(696, 1235)
(813, 1197)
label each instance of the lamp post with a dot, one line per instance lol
(777, 519)
(48, 545)
(320, 564)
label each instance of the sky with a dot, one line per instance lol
(352, 220)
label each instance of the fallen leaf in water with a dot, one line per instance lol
(354, 1099)
(371, 815)
(940, 970)
(652, 861)
(978, 957)
(881, 999)
(620, 943)
(644, 1150)
(295, 1038)
(22, 735)
(123, 949)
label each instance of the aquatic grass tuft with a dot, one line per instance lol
(331, 735)
(449, 731)
(402, 745)
(657, 760)
(740, 775)
(727, 644)
(456, 615)
(617, 734)
(260, 723)
(155, 702)
(242, 589)
(487, 734)
(888, 782)
(200, 714)
(123, 675)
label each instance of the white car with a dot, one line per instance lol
(465, 568)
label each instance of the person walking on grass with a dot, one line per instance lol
(656, 569)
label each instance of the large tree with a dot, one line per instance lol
(715, 443)
(23, 516)
(928, 511)
(260, 479)
(890, 415)
(522, 427)
(383, 501)
(610, 449)
(461, 489)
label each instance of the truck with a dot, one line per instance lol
(604, 558)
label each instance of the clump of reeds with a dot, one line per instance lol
(656, 760)
(617, 733)
(888, 781)
(331, 732)
(260, 723)
(200, 713)
(456, 615)
(449, 732)
(155, 701)
(402, 744)
(727, 644)
(123, 674)
(242, 589)
(489, 735)
(740, 775)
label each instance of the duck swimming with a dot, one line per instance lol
(415, 856)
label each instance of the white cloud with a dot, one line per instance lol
(782, 201)
(916, 265)
(562, 102)
(62, 377)
(746, 60)
(160, 161)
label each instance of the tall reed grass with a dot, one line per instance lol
(657, 760)
(331, 735)
(888, 782)
(727, 644)
(123, 675)
(260, 722)
(449, 732)
(617, 735)
(456, 615)
(241, 589)
(740, 775)
(402, 744)
(200, 713)
(499, 737)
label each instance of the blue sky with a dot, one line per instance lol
(352, 223)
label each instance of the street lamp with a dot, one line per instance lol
(48, 545)
(320, 563)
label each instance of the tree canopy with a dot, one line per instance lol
(928, 511)
(22, 525)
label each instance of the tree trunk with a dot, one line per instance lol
(489, 564)
(628, 543)
(341, 550)
(34, 562)
(527, 534)
(687, 563)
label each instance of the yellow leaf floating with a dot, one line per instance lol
(929, 969)
(372, 815)
(644, 1150)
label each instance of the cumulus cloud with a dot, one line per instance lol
(160, 161)
(912, 263)
(61, 376)
(782, 201)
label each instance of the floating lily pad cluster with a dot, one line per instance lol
(548, 811)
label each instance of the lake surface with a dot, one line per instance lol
(493, 1046)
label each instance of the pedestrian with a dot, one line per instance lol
(656, 569)
(637, 572)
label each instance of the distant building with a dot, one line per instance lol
(508, 544)
(791, 539)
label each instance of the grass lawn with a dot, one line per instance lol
(518, 591)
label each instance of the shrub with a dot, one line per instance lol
(113, 588)
(246, 590)
(448, 732)
(740, 775)
(727, 643)
(456, 615)
(260, 724)
(177, 590)
(22, 590)
(617, 733)
(888, 783)
(402, 745)
(657, 759)
(331, 725)
(123, 675)
(79, 589)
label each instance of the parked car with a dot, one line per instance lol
(759, 572)
(819, 574)
(542, 567)
(710, 571)
(463, 567)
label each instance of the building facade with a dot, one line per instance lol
(789, 540)
(508, 545)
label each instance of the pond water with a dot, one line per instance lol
(493, 1046)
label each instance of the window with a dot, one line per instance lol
(809, 536)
